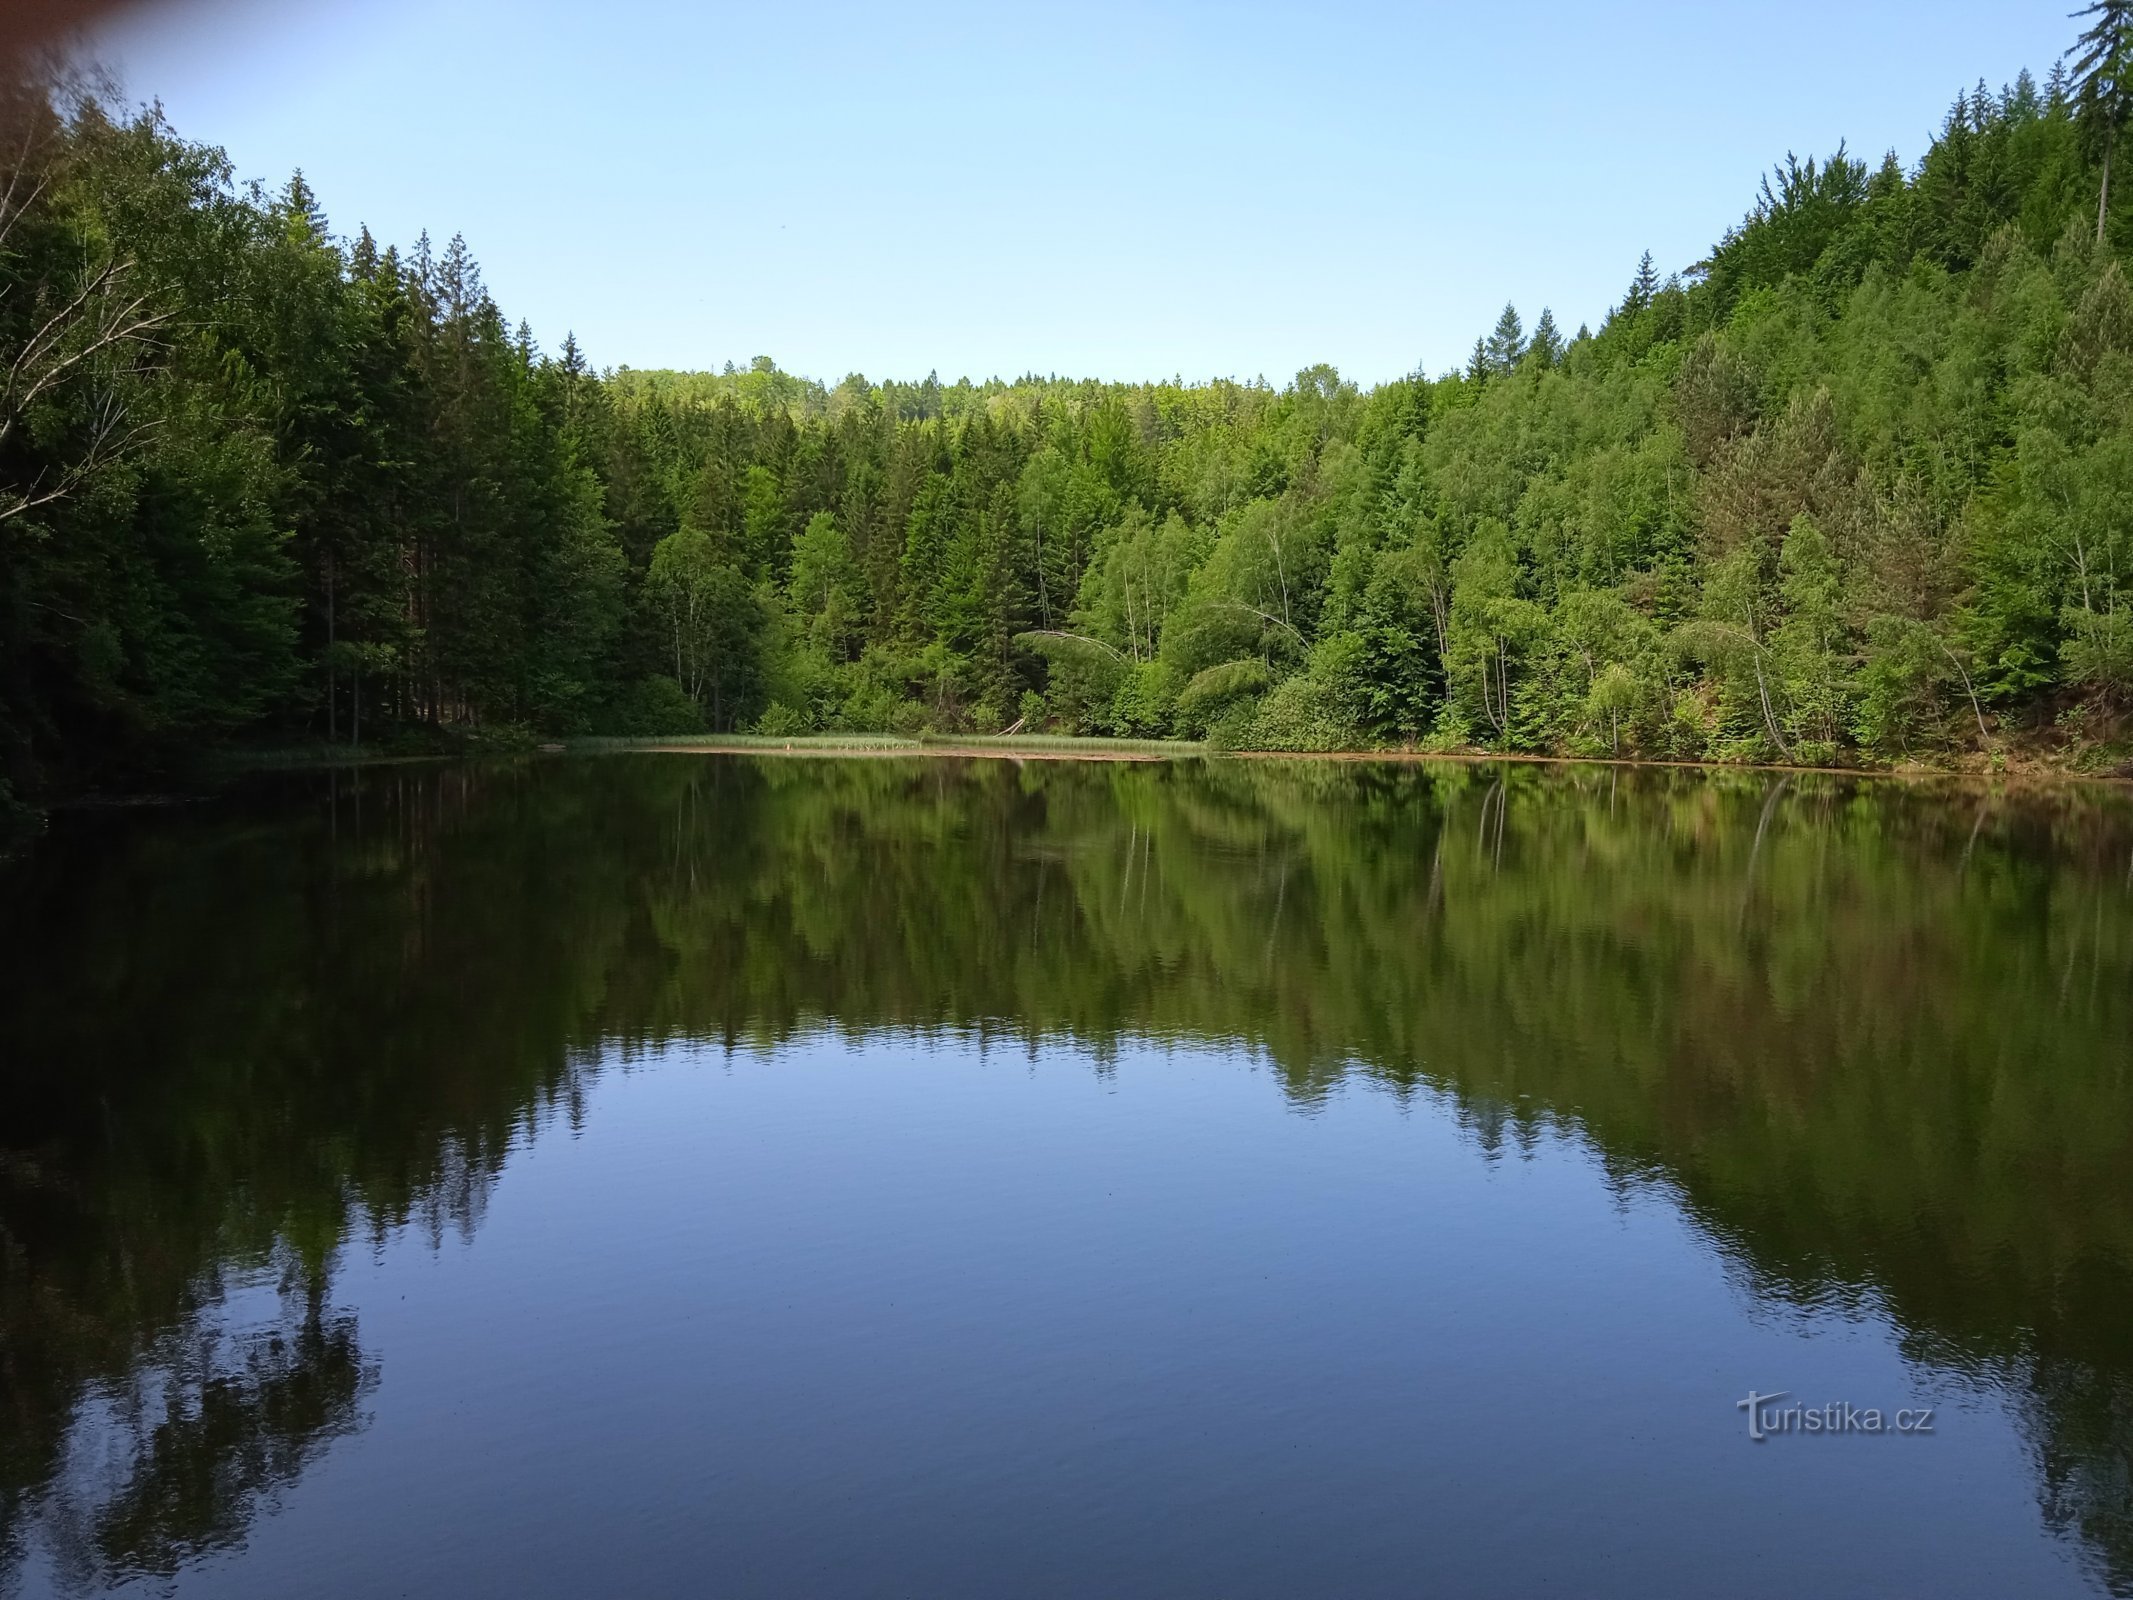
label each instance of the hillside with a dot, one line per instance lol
(1855, 489)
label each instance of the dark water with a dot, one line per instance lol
(695, 1175)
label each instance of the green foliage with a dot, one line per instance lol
(1855, 489)
(1298, 715)
(1810, 650)
(2103, 85)
(653, 706)
(714, 623)
(1904, 687)
(1215, 689)
(2099, 652)
(1492, 628)
(827, 588)
(1144, 704)
(782, 720)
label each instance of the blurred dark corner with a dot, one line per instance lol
(27, 25)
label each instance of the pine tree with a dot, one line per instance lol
(1508, 342)
(300, 204)
(353, 499)
(1642, 287)
(2103, 87)
(2020, 102)
(1547, 345)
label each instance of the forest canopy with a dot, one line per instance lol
(1856, 488)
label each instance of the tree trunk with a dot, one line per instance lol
(2103, 194)
(333, 734)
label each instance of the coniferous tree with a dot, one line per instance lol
(1546, 347)
(1642, 287)
(1507, 341)
(322, 490)
(2103, 86)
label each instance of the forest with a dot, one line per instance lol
(1856, 489)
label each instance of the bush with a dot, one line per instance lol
(1144, 703)
(869, 708)
(503, 738)
(1232, 730)
(652, 708)
(1378, 680)
(1904, 687)
(2098, 653)
(1298, 715)
(1202, 702)
(781, 721)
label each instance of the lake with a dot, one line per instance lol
(692, 1175)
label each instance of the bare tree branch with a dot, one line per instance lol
(1078, 638)
(1263, 616)
(85, 336)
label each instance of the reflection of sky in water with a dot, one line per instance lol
(913, 1176)
(909, 1318)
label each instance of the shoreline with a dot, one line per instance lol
(1043, 748)
(959, 750)
(2024, 773)
(228, 766)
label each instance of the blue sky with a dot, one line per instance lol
(1102, 190)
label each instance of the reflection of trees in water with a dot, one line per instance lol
(213, 1426)
(2081, 1421)
(1872, 1038)
(230, 1046)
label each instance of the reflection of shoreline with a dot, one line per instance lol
(2026, 775)
(1872, 1042)
(953, 752)
(2016, 778)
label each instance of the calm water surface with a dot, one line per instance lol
(683, 1175)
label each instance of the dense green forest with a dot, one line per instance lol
(1858, 487)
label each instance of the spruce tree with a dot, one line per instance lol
(2103, 87)
(1547, 345)
(1508, 342)
(2020, 102)
(1642, 287)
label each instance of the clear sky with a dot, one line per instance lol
(1117, 191)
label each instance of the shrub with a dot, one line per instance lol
(1232, 729)
(651, 708)
(1202, 702)
(1297, 714)
(781, 721)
